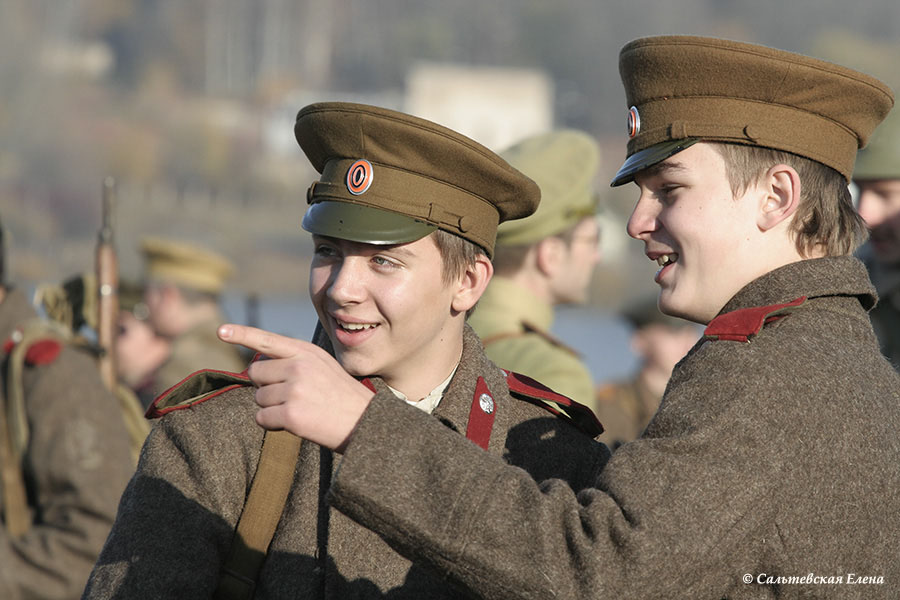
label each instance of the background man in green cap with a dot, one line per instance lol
(183, 286)
(625, 407)
(64, 455)
(543, 261)
(770, 468)
(877, 176)
(403, 221)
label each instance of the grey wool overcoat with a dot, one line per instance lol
(75, 461)
(771, 470)
(177, 516)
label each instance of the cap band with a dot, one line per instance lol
(452, 209)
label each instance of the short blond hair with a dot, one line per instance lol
(825, 220)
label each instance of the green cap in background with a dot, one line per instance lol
(564, 164)
(185, 264)
(697, 88)
(881, 158)
(390, 178)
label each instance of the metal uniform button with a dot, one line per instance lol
(486, 403)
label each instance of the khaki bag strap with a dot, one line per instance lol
(13, 502)
(14, 426)
(259, 519)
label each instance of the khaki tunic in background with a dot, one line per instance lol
(177, 517)
(774, 457)
(197, 349)
(625, 408)
(514, 326)
(76, 464)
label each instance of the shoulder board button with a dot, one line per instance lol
(741, 325)
(564, 407)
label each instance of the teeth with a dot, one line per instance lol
(355, 326)
(666, 259)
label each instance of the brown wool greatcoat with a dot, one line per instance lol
(777, 457)
(76, 464)
(178, 514)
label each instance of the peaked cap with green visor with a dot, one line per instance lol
(683, 89)
(391, 178)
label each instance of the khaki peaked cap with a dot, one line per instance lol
(695, 88)
(564, 164)
(185, 265)
(388, 178)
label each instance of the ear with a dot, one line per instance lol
(549, 254)
(472, 284)
(780, 199)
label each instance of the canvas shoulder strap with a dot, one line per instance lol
(259, 519)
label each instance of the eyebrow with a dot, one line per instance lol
(663, 168)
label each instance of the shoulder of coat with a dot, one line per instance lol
(525, 388)
(198, 387)
(741, 325)
(37, 341)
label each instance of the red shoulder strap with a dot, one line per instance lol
(540, 395)
(741, 325)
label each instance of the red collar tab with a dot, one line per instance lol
(481, 415)
(564, 407)
(741, 325)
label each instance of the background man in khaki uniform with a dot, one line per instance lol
(183, 285)
(140, 351)
(543, 261)
(403, 221)
(770, 468)
(625, 407)
(64, 456)
(877, 175)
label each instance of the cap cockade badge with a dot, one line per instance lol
(359, 177)
(634, 122)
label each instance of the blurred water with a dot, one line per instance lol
(601, 337)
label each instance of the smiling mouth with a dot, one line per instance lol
(355, 326)
(667, 259)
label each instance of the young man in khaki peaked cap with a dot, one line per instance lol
(770, 468)
(544, 261)
(184, 283)
(403, 220)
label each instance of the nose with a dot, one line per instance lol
(643, 218)
(346, 285)
(870, 208)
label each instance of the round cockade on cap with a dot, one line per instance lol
(688, 87)
(424, 175)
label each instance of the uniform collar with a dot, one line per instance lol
(829, 276)
(432, 399)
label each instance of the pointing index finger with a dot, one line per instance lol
(259, 340)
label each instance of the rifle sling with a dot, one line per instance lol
(259, 519)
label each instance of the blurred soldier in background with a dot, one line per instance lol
(877, 175)
(544, 261)
(183, 285)
(660, 341)
(140, 352)
(64, 455)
